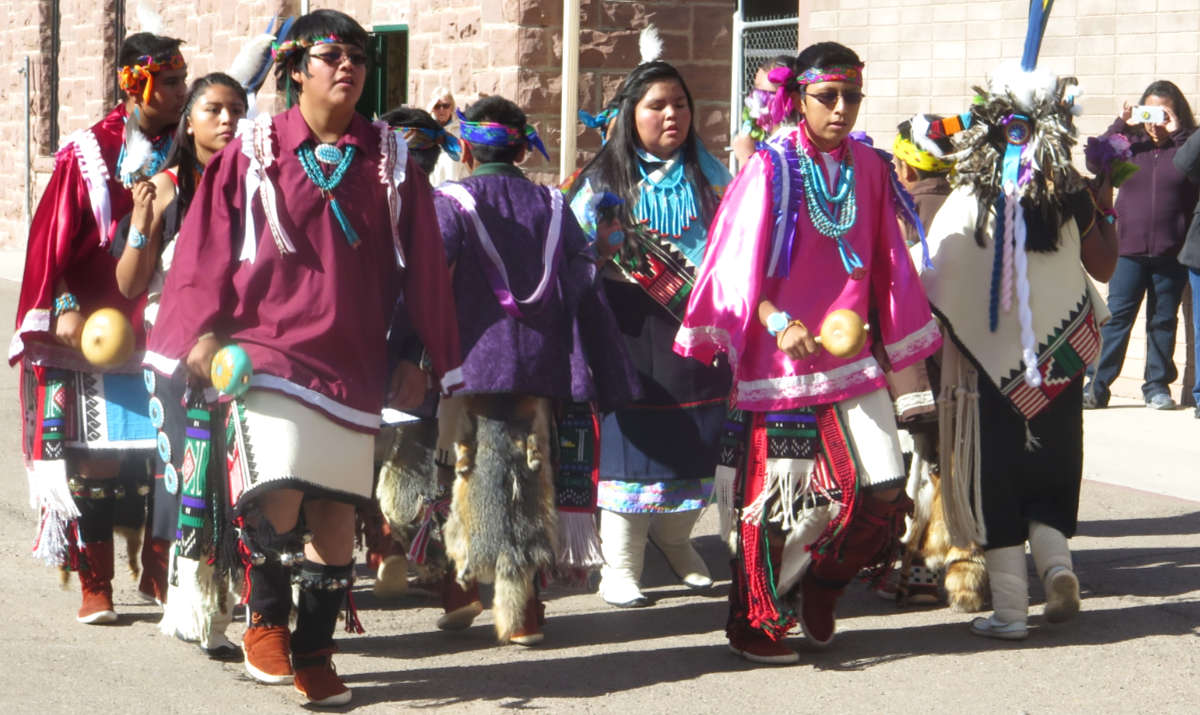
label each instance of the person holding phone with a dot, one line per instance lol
(1154, 208)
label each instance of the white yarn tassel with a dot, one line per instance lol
(1011, 202)
(723, 496)
(959, 449)
(1033, 377)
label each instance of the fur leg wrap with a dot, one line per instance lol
(323, 592)
(503, 524)
(1010, 583)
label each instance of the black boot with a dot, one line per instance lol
(323, 591)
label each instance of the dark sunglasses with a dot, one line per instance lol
(333, 58)
(442, 105)
(829, 98)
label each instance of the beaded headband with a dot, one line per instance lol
(917, 158)
(131, 77)
(419, 138)
(494, 134)
(833, 73)
(280, 51)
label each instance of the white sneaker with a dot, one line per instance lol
(1062, 595)
(991, 628)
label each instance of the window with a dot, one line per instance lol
(387, 80)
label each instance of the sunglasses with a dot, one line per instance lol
(442, 105)
(333, 58)
(829, 98)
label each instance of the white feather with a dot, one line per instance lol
(138, 151)
(650, 44)
(250, 58)
(920, 135)
(149, 20)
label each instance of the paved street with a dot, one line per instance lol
(1134, 648)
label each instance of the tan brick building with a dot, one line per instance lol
(508, 47)
(925, 56)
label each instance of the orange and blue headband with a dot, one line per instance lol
(131, 77)
(419, 138)
(495, 134)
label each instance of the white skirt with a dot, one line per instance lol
(279, 442)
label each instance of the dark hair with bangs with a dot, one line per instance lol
(501, 111)
(183, 147)
(615, 167)
(142, 44)
(318, 23)
(1165, 89)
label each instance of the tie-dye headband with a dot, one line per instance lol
(280, 51)
(419, 138)
(833, 73)
(131, 77)
(494, 134)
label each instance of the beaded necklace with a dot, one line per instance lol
(667, 206)
(833, 215)
(329, 154)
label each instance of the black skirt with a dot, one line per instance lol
(1022, 485)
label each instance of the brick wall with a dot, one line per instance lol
(514, 48)
(508, 47)
(924, 56)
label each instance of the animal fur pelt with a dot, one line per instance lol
(928, 538)
(503, 524)
(409, 481)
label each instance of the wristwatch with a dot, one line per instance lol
(777, 322)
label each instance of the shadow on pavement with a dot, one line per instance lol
(1161, 526)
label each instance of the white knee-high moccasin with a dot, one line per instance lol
(623, 544)
(1052, 557)
(672, 534)
(1009, 579)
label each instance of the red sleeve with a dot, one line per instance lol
(198, 292)
(63, 214)
(428, 293)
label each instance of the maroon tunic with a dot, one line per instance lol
(313, 322)
(65, 242)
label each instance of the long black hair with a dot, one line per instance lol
(183, 148)
(1167, 90)
(615, 168)
(318, 23)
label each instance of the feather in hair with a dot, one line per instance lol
(149, 20)
(650, 44)
(250, 60)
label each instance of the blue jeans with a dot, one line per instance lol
(1194, 279)
(1160, 280)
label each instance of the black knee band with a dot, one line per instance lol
(95, 499)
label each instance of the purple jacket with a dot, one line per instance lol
(1154, 205)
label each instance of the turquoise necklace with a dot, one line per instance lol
(832, 214)
(341, 158)
(667, 206)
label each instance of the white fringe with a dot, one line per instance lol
(578, 541)
(50, 498)
(724, 481)
(192, 601)
(959, 449)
